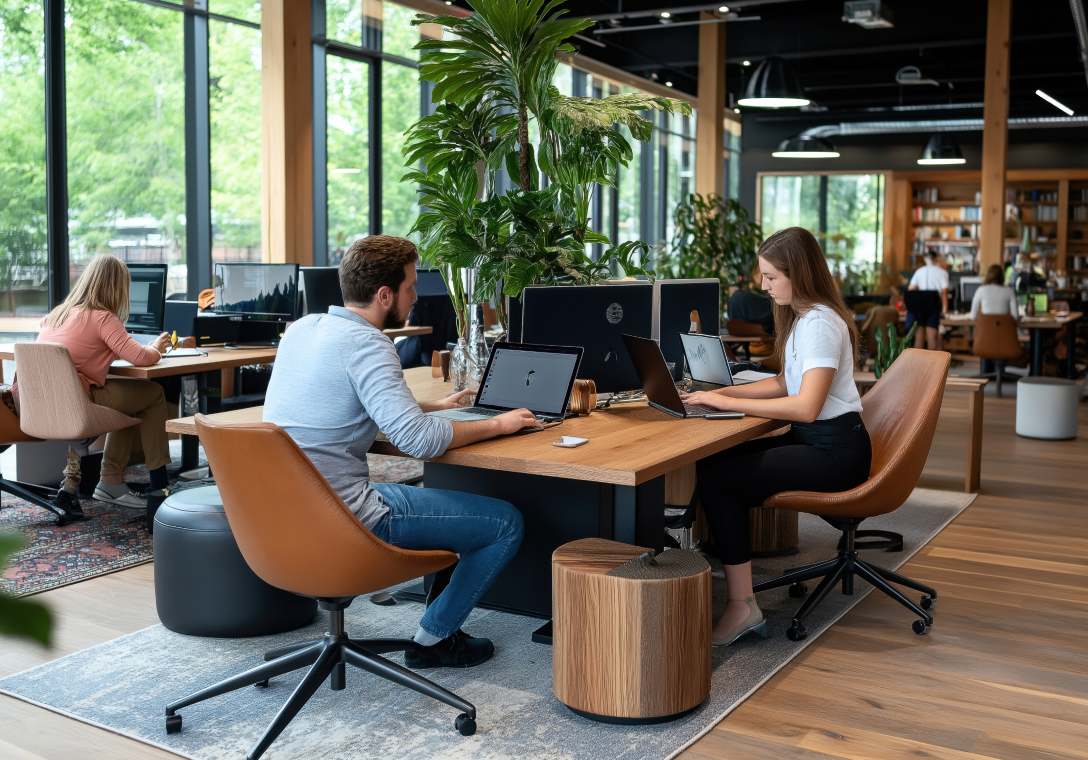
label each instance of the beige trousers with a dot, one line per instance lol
(137, 398)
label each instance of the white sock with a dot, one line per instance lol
(426, 639)
(113, 489)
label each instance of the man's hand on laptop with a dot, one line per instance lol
(452, 401)
(512, 422)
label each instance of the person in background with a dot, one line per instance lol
(992, 296)
(90, 323)
(752, 307)
(827, 448)
(929, 277)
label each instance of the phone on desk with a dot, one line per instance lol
(724, 416)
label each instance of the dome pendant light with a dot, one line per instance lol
(773, 85)
(806, 146)
(941, 150)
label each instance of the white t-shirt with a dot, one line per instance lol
(930, 277)
(994, 299)
(822, 339)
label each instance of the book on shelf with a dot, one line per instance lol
(1029, 196)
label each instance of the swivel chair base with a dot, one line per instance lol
(844, 568)
(326, 658)
(44, 497)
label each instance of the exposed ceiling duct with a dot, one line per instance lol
(942, 125)
(1081, 24)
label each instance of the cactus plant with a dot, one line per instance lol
(889, 348)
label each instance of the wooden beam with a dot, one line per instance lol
(710, 127)
(286, 132)
(1063, 222)
(995, 133)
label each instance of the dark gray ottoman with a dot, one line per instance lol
(203, 586)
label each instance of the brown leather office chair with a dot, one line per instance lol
(996, 340)
(53, 406)
(900, 413)
(296, 534)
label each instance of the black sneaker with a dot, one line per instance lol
(456, 651)
(70, 505)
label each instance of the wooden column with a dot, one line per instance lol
(1063, 223)
(995, 134)
(710, 126)
(286, 132)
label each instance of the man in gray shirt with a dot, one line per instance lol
(336, 382)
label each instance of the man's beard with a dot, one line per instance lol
(393, 317)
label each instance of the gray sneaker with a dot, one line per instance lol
(127, 500)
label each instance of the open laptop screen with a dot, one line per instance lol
(536, 379)
(706, 358)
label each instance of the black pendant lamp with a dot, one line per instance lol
(773, 85)
(942, 150)
(806, 146)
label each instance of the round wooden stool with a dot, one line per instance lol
(773, 531)
(631, 637)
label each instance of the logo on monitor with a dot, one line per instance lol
(614, 314)
(529, 377)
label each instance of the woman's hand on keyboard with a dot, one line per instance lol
(706, 398)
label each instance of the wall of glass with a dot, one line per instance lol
(348, 147)
(843, 211)
(23, 255)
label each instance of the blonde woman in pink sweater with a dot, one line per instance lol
(91, 325)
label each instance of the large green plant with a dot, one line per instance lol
(713, 238)
(888, 349)
(21, 617)
(492, 79)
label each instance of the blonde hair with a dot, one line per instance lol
(795, 253)
(103, 286)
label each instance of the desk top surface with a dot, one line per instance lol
(1043, 323)
(217, 358)
(628, 444)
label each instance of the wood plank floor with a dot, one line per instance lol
(1003, 674)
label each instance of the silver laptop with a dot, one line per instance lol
(523, 376)
(707, 362)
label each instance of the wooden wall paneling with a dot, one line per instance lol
(995, 133)
(710, 128)
(286, 132)
(1063, 221)
(897, 229)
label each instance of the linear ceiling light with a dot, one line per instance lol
(773, 85)
(941, 149)
(806, 146)
(1053, 102)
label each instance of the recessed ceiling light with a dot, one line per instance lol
(666, 14)
(746, 63)
(1053, 102)
(668, 84)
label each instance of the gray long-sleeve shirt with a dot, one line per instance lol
(336, 382)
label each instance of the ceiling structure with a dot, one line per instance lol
(847, 71)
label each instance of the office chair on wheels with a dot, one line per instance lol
(900, 413)
(296, 534)
(53, 406)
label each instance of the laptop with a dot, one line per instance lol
(523, 376)
(656, 381)
(709, 365)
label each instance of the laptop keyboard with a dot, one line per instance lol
(699, 409)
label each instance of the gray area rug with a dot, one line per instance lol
(123, 685)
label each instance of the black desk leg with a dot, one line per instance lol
(1071, 350)
(209, 403)
(1036, 352)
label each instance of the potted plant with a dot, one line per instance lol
(492, 79)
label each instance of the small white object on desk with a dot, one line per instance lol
(751, 376)
(570, 442)
(123, 363)
(183, 352)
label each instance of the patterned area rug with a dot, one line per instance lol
(110, 538)
(124, 684)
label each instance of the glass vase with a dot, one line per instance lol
(460, 365)
(477, 343)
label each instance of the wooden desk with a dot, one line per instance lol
(399, 332)
(976, 387)
(1035, 328)
(612, 487)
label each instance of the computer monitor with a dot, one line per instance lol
(257, 291)
(594, 317)
(968, 286)
(320, 288)
(674, 300)
(146, 298)
(429, 282)
(180, 317)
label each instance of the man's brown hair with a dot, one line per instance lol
(371, 263)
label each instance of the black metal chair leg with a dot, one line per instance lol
(275, 654)
(828, 583)
(902, 580)
(809, 566)
(384, 646)
(814, 571)
(865, 572)
(391, 671)
(255, 675)
(326, 662)
(886, 540)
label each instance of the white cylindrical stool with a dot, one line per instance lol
(1046, 407)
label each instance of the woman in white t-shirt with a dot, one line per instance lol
(993, 297)
(827, 448)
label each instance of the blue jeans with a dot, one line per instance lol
(484, 532)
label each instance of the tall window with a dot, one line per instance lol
(23, 256)
(844, 211)
(348, 146)
(677, 134)
(126, 134)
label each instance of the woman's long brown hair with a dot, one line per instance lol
(795, 253)
(995, 275)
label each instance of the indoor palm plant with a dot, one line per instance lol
(492, 80)
(713, 238)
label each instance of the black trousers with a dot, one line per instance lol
(826, 456)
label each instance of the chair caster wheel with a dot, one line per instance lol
(920, 627)
(262, 684)
(465, 724)
(928, 602)
(796, 632)
(797, 590)
(62, 521)
(173, 724)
